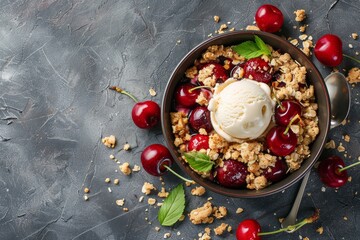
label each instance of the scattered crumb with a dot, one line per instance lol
(205, 235)
(300, 15)
(127, 147)
(125, 168)
(353, 75)
(341, 148)
(178, 233)
(147, 188)
(239, 210)
(323, 189)
(303, 37)
(202, 214)
(167, 235)
(152, 92)
(330, 144)
(349, 179)
(281, 220)
(350, 45)
(209, 198)
(120, 202)
(109, 142)
(125, 209)
(320, 230)
(229, 228)
(216, 18)
(151, 201)
(109, 189)
(220, 229)
(306, 238)
(347, 138)
(252, 27)
(141, 198)
(86, 197)
(188, 184)
(86, 190)
(182, 218)
(219, 212)
(307, 45)
(136, 168)
(232, 29)
(354, 36)
(107, 180)
(294, 42)
(303, 28)
(159, 204)
(163, 193)
(345, 218)
(222, 28)
(198, 191)
(157, 229)
(116, 181)
(112, 156)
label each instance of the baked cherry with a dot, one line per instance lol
(185, 95)
(200, 118)
(156, 159)
(285, 111)
(232, 174)
(281, 140)
(277, 172)
(218, 71)
(249, 229)
(269, 18)
(198, 142)
(332, 171)
(144, 114)
(328, 50)
(258, 69)
(237, 71)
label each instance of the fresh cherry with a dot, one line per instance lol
(258, 69)
(277, 172)
(269, 18)
(232, 174)
(218, 71)
(200, 118)
(156, 159)
(198, 142)
(249, 229)
(281, 140)
(285, 111)
(145, 114)
(185, 95)
(330, 174)
(328, 50)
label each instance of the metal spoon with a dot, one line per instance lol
(339, 94)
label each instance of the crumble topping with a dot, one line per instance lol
(202, 214)
(125, 168)
(219, 230)
(109, 142)
(198, 191)
(147, 188)
(300, 15)
(353, 75)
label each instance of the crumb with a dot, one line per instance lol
(163, 193)
(178, 42)
(202, 214)
(229, 228)
(198, 191)
(112, 156)
(347, 138)
(353, 75)
(204, 236)
(125, 209)
(320, 230)
(303, 37)
(151, 201)
(330, 144)
(147, 188)
(182, 218)
(109, 189)
(232, 29)
(167, 235)
(220, 229)
(107, 180)
(354, 36)
(239, 210)
(350, 45)
(141, 198)
(188, 184)
(281, 220)
(222, 28)
(127, 147)
(219, 212)
(125, 168)
(300, 15)
(306, 238)
(159, 204)
(302, 28)
(109, 142)
(345, 218)
(178, 233)
(252, 27)
(349, 179)
(307, 45)
(209, 198)
(120, 202)
(341, 148)
(86, 190)
(294, 42)
(86, 197)
(152, 92)
(136, 168)
(323, 189)
(216, 18)
(116, 181)
(157, 229)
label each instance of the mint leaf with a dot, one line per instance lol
(199, 161)
(250, 49)
(173, 207)
(262, 46)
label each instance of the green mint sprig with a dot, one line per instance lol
(252, 49)
(199, 161)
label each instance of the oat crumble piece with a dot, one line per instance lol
(202, 214)
(182, 218)
(219, 212)
(109, 142)
(216, 18)
(163, 193)
(112, 156)
(303, 37)
(307, 45)
(141, 199)
(354, 36)
(157, 229)
(330, 145)
(202, 100)
(347, 138)
(239, 210)
(306, 238)
(127, 147)
(252, 27)
(294, 42)
(220, 229)
(125, 168)
(151, 201)
(136, 168)
(303, 28)
(147, 188)
(120, 202)
(167, 235)
(353, 75)
(222, 28)
(125, 209)
(198, 191)
(341, 148)
(300, 15)
(320, 230)
(152, 92)
(86, 197)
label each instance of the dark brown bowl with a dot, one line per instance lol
(313, 77)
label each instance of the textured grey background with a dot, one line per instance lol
(57, 59)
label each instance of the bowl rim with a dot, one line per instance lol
(237, 192)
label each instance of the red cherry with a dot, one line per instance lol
(248, 230)
(218, 71)
(279, 142)
(200, 118)
(184, 96)
(154, 157)
(258, 69)
(146, 114)
(277, 172)
(329, 172)
(285, 112)
(198, 142)
(232, 174)
(269, 18)
(328, 50)
(236, 71)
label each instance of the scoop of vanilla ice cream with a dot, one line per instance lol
(241, 110)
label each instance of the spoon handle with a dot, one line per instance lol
(290, 219)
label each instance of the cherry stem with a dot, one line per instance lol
(122, 91)
(295, 227)
(350, 166)
(352, 58)
(291, 122)
(280, 105)
(198, 87)
(178, 175)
